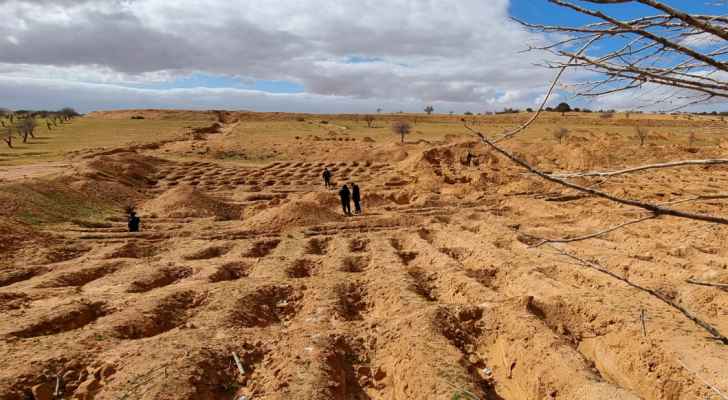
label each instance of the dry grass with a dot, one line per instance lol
(89, 133)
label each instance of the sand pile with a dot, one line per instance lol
(214, 128)
(186, 202)
(127, 167)
(13, 234)
(294, 214)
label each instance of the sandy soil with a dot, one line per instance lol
(14, 173)
(435, 292)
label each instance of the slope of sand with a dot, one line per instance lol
(436, 292)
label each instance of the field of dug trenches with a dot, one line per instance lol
(441, 289)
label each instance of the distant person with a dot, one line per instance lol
(345, 195)
(134, 222)
(327, 178)
(470, 159)
(356, 196)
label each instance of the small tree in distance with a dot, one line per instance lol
(27, 127)
(7, 134)
(369, 119)
(563, 108)
(429, 110)
(641, 134)
(561, 134)
(402, 128)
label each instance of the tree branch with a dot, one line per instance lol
(671, 164)
(595, 266)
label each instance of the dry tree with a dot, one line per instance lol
(561, 134)
(401, 128)
(26, 127)
(666, 48)
(642, 133)
(685, 54)
(369, 119)
(6, 132)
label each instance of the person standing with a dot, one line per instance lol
(356, 196)
(134, 222)
(327, 178)
(345, 195)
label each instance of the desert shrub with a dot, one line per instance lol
(561, 134)
(641, 134)
(369, 119)
(401, 128)
(137, 117)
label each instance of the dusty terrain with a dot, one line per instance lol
(436, 292)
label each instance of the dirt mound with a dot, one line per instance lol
(186, 202)
(293, 214)
(152, 114)
(14, 234)
(214, 128)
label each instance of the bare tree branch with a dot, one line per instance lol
(671, 164)
(718, 285)
(597, 267)
(670, 48)
(591, 235)
(654, 208)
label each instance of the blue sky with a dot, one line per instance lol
(288, 55)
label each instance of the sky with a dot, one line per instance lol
(315, 56)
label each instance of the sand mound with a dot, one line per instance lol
(127, 167)
(13, 234)
(293, 214)
(186, 202)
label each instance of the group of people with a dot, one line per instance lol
(347, 195)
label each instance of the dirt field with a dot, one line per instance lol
(438, 291)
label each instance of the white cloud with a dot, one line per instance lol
(461, 54)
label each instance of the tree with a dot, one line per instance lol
(369, 119)
(561, 134)
(467, 113)
(6, 132)
(68, 113)
(401, 128)
(529, 109)
(563, 108)
(655, 48)
(641, 134)
(429, 110)
(379, 110)
(26, 127)
(451, 112)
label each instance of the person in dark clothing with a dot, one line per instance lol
(345, 195)
(327, 178)
(134, 222)
(356, 196)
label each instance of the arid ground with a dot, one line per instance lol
(440, 290)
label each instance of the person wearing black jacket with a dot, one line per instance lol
(345, 195)
(327, 178)
(356, 196)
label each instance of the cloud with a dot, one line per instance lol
(398, 52)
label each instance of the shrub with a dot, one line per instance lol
(401, 128)
(561, 134)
